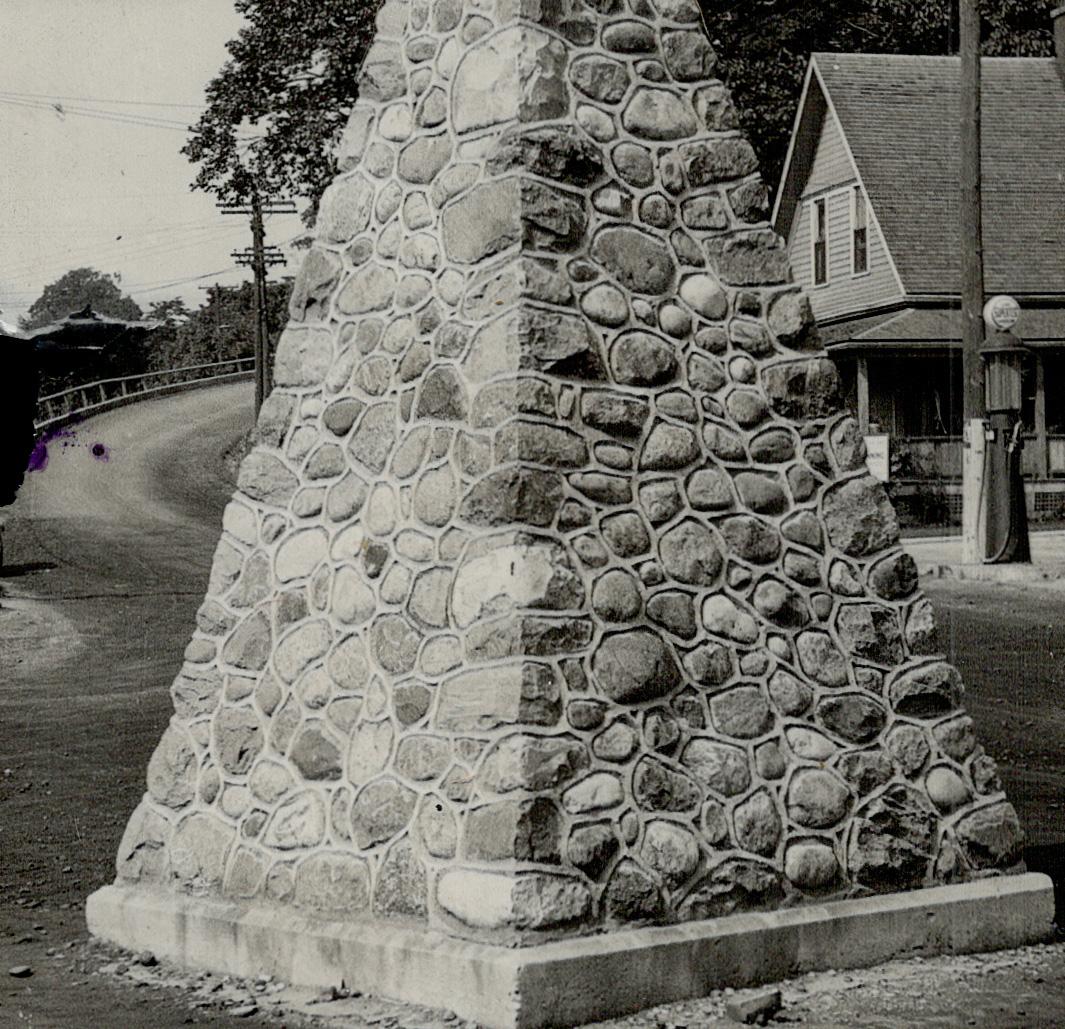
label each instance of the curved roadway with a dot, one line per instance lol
(107, 554)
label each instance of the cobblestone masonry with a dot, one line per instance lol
(555, 593)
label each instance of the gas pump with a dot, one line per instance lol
(1006, 526)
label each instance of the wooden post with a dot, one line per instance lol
(972, 276)
(1042, 447)
(862, 364)
(259, 268)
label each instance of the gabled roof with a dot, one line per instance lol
(900, 118)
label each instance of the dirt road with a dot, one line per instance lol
(108, 550)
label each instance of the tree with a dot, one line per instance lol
(765, 47)
(292, 71)
(221, 328)
(72, 291)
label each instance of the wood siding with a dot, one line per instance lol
(832, 177)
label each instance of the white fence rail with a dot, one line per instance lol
(94, 397)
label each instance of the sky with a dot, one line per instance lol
(83, 181)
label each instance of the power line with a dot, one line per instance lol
(139, 249)
(118, 119)
(98, 100)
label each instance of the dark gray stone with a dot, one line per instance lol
(635, 666)
(893, 841)
(854, 716)
(690, 554)
(657, 787)
(639, 261)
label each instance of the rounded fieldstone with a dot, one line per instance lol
(843, 579)
(821, 659)
(751, 539)
(585, 714)
(674, 611)
(690, 554)
(704, 296)
(741, 712)
(688, 55)
(926, 692)
(809, 744)
(709, 664)
(658, 114)
(757, 824)
(724, 617)
(816, 798)
(909, 748)
(238, 739)
(811, 865)
(747, 407)
(592, 847)
(606, 305)
(173, 768)
(991, 837)
(635, 666)
(802, 568)
(599, 791)
(893, 841)
(632, 895)
(946, 789)
(853, 716)
(617, 742)
(657, 787)
(381, 810)
(638, 358)
(601, 78)
(780, 604)
(638, 260)
(625, 534)
(674, 321)
(920, 633)
(735, 885)
(774, 446)
(598, 124)
(634, 164)
(670, 851)
(616, 596)
(719, 766)
(710, 489)
(859, 518)
(769, 761)
(669, 447)
(661, 730)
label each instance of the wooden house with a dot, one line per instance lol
(868, 203)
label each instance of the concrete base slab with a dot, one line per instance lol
(575, 981)
(1044, 575)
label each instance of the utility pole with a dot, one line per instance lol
(972, 284)
(259, 257)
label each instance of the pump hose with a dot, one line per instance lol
(1015, 436)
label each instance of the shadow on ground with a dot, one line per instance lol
(27, 568)
(1050, 860)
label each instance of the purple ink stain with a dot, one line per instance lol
(100, 452)
(66, 436)
(39, 455)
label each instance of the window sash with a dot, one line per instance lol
(819, 239)
(859, 232)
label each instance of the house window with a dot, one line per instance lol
(818, 231)
(859, 232)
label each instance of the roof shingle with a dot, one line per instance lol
(900, 117)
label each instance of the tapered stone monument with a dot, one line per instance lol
(555, 598)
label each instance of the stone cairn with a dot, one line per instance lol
(555, 594)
